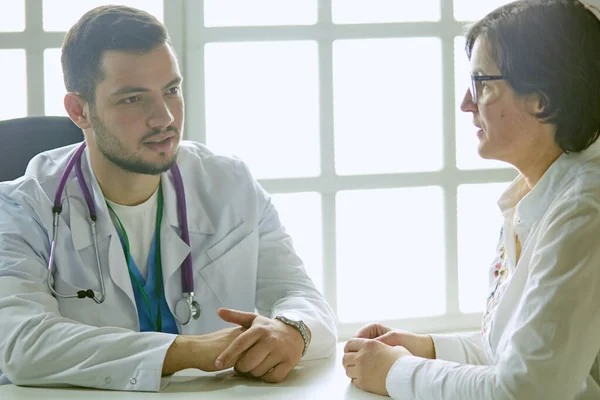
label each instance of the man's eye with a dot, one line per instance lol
(130, 100)
(174, 90)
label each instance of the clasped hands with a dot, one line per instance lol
(260, 347)
(369, 356)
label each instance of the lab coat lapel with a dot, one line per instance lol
(173, 249)
(119, 273)
(81, 230)
(78, 209)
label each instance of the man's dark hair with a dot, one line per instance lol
(106, 28)
(550, 48)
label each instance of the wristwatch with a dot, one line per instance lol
(299, 325)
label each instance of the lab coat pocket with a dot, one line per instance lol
(64, 287)
(228, 243)
(232, 274)
(73, 308)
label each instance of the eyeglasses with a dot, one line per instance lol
(477, 86)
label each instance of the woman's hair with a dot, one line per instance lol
(550, 48)
(106, 28)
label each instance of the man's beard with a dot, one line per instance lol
(112, 148)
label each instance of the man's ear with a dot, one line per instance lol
(77, 109)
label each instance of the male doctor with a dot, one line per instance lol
(120, 311)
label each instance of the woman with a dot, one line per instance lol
(535, 98)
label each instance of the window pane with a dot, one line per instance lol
(473, 10)
(259, 12)
(479, 223)
(54, 87)
(390, 255)
(387, 105)
(12, 16)
(377, 11)
(262, 104)
(60, 15)
(300, 214)
(467, 142)
(13, 81)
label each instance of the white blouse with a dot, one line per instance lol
(540, 336)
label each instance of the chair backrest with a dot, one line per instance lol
(21, 139)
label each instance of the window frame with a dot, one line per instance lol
(189, 38)
(450, 177)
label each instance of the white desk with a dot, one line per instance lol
(312, 380)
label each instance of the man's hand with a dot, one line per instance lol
(418, 345)
(198, 351)
(268, 348)
(368, 362)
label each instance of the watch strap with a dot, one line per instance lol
(300, 327)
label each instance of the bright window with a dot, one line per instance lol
(13, 80)
(12, 16)
(381, 11)
(259, 12)
(347, 111)
(380, 94)
(54, 86)
(472, 10)
(263, 96)
(479, 223)
(60, 15)
(390, 254)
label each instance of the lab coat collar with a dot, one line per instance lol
(80, 227)
(198, 219)
(173, 249)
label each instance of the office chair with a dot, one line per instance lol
(23, 138)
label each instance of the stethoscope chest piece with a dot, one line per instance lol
(186, 309)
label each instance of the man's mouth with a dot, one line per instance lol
(159, 138)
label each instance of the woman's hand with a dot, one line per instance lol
(372, 331)
(418, 345)
(368, 362)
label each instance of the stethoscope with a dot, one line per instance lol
(187, 307)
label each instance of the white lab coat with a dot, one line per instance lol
(243, 259)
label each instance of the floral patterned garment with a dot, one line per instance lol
(501, 272)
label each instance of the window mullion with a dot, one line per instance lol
(34, 29)
(327, 144)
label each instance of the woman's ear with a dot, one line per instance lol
(76, 108)
(537, 103)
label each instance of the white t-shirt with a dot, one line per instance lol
(140, 224)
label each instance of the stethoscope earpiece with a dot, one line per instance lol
(82, 294)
